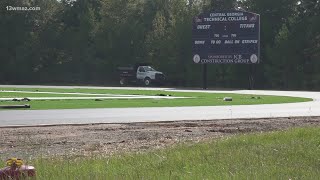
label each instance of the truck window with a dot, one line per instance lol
(148, 68)
(141, 69)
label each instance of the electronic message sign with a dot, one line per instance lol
(230, 37)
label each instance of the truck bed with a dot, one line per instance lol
(127, 71)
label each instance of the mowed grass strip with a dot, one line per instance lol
(292, 154)
(36, 94)
(196, 99)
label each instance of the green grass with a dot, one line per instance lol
(198, 99)
(292, 154)
(22, 95)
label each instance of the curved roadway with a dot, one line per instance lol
(126, 115)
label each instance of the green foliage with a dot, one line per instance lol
(83, 42)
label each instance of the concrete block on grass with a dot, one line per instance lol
(227, 99)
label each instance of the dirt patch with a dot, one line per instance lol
(28, 142)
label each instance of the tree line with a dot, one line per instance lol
(84, 41)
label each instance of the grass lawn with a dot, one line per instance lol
(198, 99)
(22, 95)
(292, 154)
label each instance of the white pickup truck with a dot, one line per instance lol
(140, 73)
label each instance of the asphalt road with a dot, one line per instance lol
(126, 115)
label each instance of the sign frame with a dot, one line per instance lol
(226, 37)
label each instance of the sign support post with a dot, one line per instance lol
(204, 76)
(251, 76)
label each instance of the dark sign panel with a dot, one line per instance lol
(231, 37)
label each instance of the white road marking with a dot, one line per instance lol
(65, 93)
(100, 97)
(92, 96)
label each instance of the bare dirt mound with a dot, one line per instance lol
(26, 142)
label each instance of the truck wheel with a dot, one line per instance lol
(147, 81)
(122, 81)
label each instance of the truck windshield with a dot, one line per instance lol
(148, 68)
